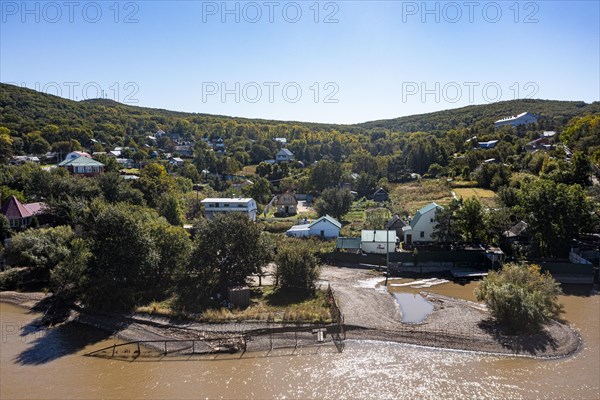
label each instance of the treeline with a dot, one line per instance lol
(555, 213)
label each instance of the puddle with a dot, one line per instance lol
(414, 307)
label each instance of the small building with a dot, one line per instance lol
(421, 226)
(19, 214)
(325, 227)
(544, 142)
(396, 224)
(214, 206)
(490, 144)
(20, 160)
(348, 244)
(377, 241)
(380, 195)
(284, 155)
(517, 233)
(280, 140)
(176, 161)
(521, 119)
(82, 164)
(286, 203)
(184, 151)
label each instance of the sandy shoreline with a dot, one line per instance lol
(370, 313)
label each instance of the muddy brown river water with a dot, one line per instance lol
(51, 365)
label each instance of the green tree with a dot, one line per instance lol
(556, 213)
(365, 184)
(377, 218)
(260, 190)
(326, 174)
(4, 228)
(297, 266)
(226, 250)
(170, 208)
(470, 221)
(40, 249)
(334, 202)
(131, 263)
(581, 168)
(446, 229)
(66, 278)
(520, 297)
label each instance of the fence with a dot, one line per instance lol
(273, 336)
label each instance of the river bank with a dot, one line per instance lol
(370, 313)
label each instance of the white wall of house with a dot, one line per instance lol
(324, 229)
(422, 230)
(213, 207)
(376, 242)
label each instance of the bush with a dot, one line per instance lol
(9, 280)
(520, 297)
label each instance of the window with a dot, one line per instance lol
(226, 205)
(422, 234)
(431, 220)
(322, 233)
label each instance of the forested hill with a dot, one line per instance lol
(55, 119)
(554, 114)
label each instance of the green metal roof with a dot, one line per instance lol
(81, 162)
(422, 211)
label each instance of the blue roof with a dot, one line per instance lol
(422, 211)
(332, 220)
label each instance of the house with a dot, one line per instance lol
(213, 206)
(377, 241)
(82, 164)
(184, 151)
(521, 119)
(380, 195)
(20, 160)
(176, 161)
(280, 141)
(326, 227)
(125, 162)
(516, 233)
(544, 142)
(284, 155)
(286, 203)
(396, 224)
(490, 144)
(19, 214)
(421, 226)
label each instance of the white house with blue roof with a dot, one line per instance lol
(421, 226)
(326, 227)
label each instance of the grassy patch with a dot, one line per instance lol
(248, 170)
(413, 195)
(266, 304)
(485, 196)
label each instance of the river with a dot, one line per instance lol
(50, 365)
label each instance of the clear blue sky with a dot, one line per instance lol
(353, 61)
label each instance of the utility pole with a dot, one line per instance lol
(387, 253)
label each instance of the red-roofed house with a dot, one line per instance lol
(19, 214)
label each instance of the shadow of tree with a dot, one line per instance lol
(53, 343)
(47, 343)
(524, 342)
